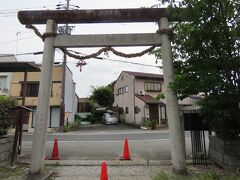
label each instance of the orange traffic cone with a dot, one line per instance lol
(55, 153)
(126, 155)
(104, 175)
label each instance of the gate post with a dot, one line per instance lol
(42, 113)
(176, 131)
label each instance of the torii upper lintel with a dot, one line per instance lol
(99, 15)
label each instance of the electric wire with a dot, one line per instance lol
(6, 42)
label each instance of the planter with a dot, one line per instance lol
(225, 152)
(6, 146)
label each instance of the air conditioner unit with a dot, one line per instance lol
(141, 92)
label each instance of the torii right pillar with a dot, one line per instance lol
(176, 132)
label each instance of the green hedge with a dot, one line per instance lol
(5, 122)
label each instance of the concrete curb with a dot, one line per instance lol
(99, 162)
(140, 131)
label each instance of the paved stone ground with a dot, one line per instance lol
(122, 170)
(117, 170)
(114, 172)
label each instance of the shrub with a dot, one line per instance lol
(5, 122)
(151, 123)
(78, 120)
(222, 114)
(68, 126)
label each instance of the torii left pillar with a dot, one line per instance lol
(42, 113)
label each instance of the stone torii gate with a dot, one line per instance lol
(53, 17)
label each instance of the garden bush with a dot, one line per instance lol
(5, 122)
(150, 123)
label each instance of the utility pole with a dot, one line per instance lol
(64, 30)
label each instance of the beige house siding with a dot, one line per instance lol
(15, 91)
(17, 78)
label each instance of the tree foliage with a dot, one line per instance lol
(207, 60)
(103, 95)
(5, 122)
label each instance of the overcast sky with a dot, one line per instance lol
(16, 39)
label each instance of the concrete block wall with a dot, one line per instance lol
(6, 146)
(225, 152)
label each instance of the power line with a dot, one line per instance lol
(11, 30)
(19, 9)
(17, 40)
(128, 62)
(21, 54)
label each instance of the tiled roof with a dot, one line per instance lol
(148, 99)
(144, 75)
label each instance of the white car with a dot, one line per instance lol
(109, 119)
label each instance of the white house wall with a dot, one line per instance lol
(69, 95)
(74, 104)
(126, 99)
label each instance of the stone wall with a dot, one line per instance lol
(6, 146)
(225, 152)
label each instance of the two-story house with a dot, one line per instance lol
(33, 80)
(136, 92)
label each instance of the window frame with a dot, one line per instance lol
(153, 86)
(30, 93)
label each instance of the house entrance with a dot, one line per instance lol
(153, 112)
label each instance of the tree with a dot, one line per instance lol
(103, 95)
(207, 60)
(5, 122)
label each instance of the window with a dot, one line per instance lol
(136, 109)
(152, 86)
(122, 90)
(54, 115)
(126, 89)
(163, 112)
(126, 110)
(32, 89)
(3, 80)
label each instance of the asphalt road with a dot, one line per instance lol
(108, 144)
